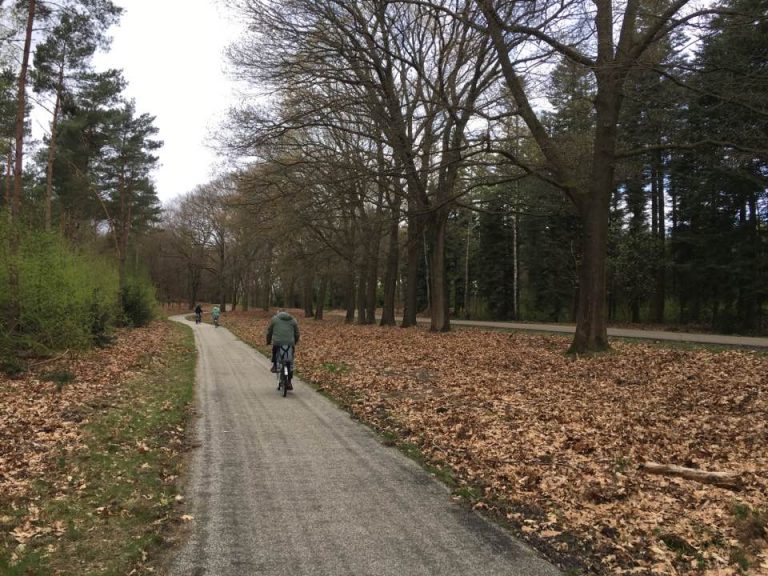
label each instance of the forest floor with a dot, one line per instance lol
(551, 445)
(91, 454)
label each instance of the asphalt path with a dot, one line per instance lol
(294, 486)
(692, 337)
(641, 334)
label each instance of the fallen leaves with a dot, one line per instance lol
(562, 438)
(42, 422)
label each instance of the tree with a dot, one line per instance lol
(126, 191)
(62, 63)
(719, 245)
(618, 40)
(81, 138)
(21, 110)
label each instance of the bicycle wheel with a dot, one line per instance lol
(284, 381)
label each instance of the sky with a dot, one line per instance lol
(171, 52)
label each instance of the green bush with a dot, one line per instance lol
(138, 300)
(66, 298)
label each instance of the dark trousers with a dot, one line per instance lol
(275, 348)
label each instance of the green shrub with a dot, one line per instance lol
(66, 298)
(138, 301)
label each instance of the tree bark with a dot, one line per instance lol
(9, 176)
(350, 293)
(321, 298)
(21, 112)
(372, 274)
(360, 296)
(661, 269)
(391, 273)
(13, 311)
(591, 329)
(414, 251)
(440, 317)
(52, 150)
(124, 229)
(591, 314)
(308, 295)
(467, 301)
(266, 301)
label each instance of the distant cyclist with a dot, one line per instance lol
(215, 313)
(198, 314)
(283, 330)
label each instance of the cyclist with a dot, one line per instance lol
(283, 330)
(215, 313)
(198, 314)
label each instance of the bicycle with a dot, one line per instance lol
(283, 360)
(198, 317)
(216, 321)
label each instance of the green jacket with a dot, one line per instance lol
(283, 330)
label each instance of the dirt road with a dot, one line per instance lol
(293, 486)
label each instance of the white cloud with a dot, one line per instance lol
(172, 54)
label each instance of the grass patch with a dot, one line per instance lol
(106, 504)
(334, 368)
(59, 378)
(751, 528)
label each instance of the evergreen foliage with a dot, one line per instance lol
(137, 297)
(89, 181)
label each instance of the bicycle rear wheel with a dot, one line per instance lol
(284, 381)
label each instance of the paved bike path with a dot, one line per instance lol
(698, 338)
(636, 333)
(294, 486)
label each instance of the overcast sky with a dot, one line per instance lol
(172, 54)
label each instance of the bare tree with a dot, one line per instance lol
(610, 40)
(407, 75)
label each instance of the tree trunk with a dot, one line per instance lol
(349, 293)
(515, 270)
(193, 276)
(122, 249)
(321, 298)
(467, 301)
(266, 300)
(9, 176)
(13, 311)
(360, 296)
(594, 209)
(414, 251)
(391, 273)
(661, 269)
(21, 112)
(439, 291)
(372, 274)
(308, 296)
(246, 285)
(52, 150)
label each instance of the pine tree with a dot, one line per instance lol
(62, 65)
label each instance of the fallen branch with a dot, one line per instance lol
(48, 360)
(722, 479)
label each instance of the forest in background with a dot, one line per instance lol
(579, 161)
(447, 159)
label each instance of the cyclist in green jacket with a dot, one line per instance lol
(283, 330)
